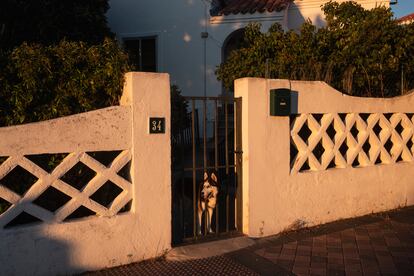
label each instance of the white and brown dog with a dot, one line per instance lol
(207, 200)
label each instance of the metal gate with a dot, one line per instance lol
(206, 137)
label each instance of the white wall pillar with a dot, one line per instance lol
(149, 96)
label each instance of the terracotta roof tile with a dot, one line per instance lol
(407, 18)
(252, 6)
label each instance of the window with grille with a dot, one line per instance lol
(142, 53)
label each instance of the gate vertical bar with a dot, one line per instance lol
(216, 158)
(226, 122)
(182, 223)
(239, 163)
(227, 161)
(205, 133)
(194, 170)
(205, 156)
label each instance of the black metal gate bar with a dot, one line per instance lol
(235, 162)
(216, 156)
(226, 136)
(205, 133)
(238, 160)
(227, 163)
(194, 171)
(205, 151)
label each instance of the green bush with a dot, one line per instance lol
(42, 82)
(360, 52)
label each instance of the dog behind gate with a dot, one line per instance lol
(207, 200)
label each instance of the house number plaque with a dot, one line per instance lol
(156, 125)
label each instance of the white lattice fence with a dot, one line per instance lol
(324, 141)
(25, 206)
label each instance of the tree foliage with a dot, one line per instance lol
(361, 52)
(42, 82)
(49, 21)
(57, 58)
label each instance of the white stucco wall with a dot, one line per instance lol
(90, 131)
(178, 25)
(54, 247)
(276, 199)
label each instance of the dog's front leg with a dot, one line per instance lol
(210, 215)
(199, 216)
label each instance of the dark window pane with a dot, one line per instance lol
(148, 52)
(132, 49)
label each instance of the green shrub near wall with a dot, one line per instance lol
(359, 52)
(42, 82)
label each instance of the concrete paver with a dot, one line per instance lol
(218, 265)
(370, 245)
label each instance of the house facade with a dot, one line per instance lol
(189, 38)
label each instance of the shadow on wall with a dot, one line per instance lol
(27, 253)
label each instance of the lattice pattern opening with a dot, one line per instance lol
(78, 176)
(105, 157)
(324, 141)
(2, 159)
(22, 219)
(4, 205)
(106, 194)
(48, 162)
(52, 199)
(18, 180)
(80, 212)
(63, 187)
(125, 172)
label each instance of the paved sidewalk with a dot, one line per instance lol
(381, 244)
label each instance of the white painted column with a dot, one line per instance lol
(149, 96)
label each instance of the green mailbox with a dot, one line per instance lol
(280, 102)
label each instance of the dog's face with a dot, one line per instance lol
(209, 187)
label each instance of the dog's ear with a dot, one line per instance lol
(214, 177)
(205, 176)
